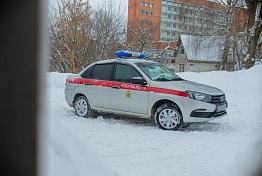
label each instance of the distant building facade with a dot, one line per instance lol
(175, 17)
(201, 53)
(169, 19)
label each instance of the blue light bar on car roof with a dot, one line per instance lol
(123, 54)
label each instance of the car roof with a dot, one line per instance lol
(124, 60)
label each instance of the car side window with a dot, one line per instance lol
(101, 72)
(86, 73)
(125, 73)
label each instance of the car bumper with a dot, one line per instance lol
(197, 111)
(203, 119)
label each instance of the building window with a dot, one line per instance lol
(151, 4)
(146, 12)
(168, 32)
(140, 21)
(181, 67)
(146, 4)
(169, 8)
(174, 33)
(168, 24)
(141, 3)
(174, 17)
(175, 10)
(150, 22)
(174, 25)
(141, 12)
(169, 16)
(151, 13)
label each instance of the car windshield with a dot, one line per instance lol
(156, 72)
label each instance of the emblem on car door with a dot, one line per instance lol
(128, 95)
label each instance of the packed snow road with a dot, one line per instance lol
(130, 146)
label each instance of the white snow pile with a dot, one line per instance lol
(67, 153)
(230, 146)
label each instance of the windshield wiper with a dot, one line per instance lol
(162, 79)
(177, 79)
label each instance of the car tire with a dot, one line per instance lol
(82, 107)
(185, 125)
(168, 117)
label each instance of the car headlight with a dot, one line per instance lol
(198, 96)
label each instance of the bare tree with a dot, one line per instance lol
(68, 31)
(107, 31)
(224, 22)
(254, 30)
(141, 37)
(140, 34)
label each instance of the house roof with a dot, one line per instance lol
(203, 48)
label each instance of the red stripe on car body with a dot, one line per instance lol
(127, 86)
(168, 91)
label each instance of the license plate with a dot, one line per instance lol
(221, 108)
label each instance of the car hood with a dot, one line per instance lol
(193, 86)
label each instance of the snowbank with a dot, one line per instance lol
(68, 154)
(249, 162)
(56, 80)
(242, 81)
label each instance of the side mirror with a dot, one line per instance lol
(139, 80)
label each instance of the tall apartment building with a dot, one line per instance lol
(171, 18)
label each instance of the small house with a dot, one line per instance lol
(199, 53)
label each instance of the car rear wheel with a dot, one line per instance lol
(82, 107)
(168, 117)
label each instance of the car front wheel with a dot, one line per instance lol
(82, 107)
(168, 117)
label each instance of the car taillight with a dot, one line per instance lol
(66, 82)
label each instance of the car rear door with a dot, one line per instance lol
(126, 96)
(98, 85)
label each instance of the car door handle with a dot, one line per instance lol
(88, 84)
(115, 87)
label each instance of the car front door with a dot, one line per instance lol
(126, 96)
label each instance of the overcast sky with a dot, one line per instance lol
(95, 3)
(124, 3)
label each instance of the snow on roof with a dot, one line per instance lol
(203, 48)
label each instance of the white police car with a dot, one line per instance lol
(142, 88)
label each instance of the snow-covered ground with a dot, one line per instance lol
(230, 146)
